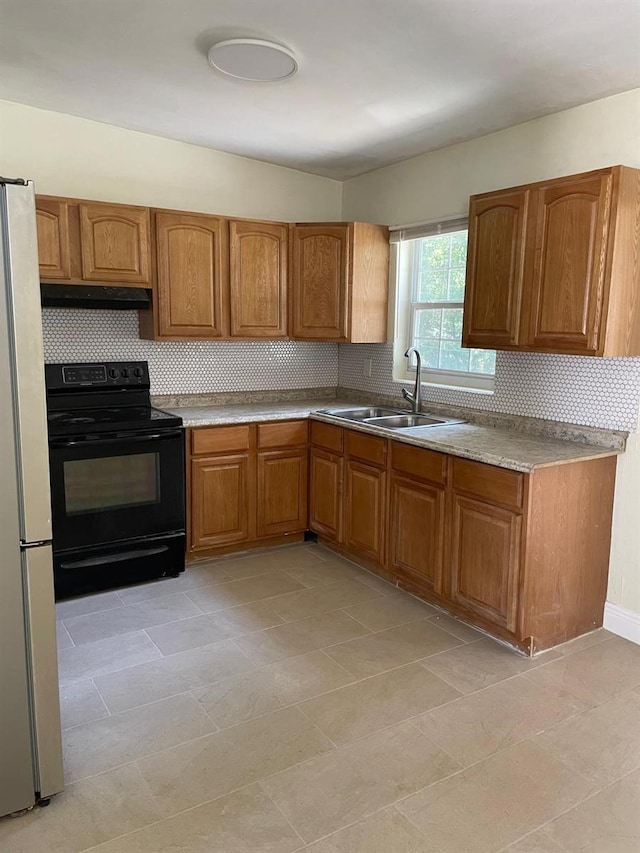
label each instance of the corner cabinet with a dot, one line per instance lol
(339, 282)
(555, 266)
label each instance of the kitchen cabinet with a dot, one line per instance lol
(248, 484)
(555, 266)
(87, 242)
(326, 476)
(365, 495)
(258, 258)
(339, 282)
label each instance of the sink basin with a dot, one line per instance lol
(361, 414)
(404, 421)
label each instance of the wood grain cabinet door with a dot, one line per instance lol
(115, 243)
(192, 275)
(485, 561)
(319, 281)
(365, 510)
(282, 492)
(325, 504)
(416, 531)
(493, 292)
(52, 221)
(258, 279)
(568, 270)
(220, 506)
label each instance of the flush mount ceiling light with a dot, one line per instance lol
(253, 59)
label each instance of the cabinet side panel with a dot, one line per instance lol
(369, 283)
(567, 552)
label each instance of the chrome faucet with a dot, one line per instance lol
(415, 398)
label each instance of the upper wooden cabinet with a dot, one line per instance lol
(339, 283)
(86, 242)
(258, 279)
(191, 257)
(555, 266)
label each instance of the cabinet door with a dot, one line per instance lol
(567, 270)
(416, 531)
(220, 507)
(52, 221)
(258, 279)
(192, 275)
(365, 510)
(326, 494)
(115, 242)
(282, 492)
(319, 282)
(495, 266)
(486, 560)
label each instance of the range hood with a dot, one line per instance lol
(94, 296)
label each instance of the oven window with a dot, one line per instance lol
(111, 482)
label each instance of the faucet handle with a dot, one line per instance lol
(407, 395)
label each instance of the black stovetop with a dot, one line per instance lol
(117, 419)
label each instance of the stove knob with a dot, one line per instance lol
(124, 373)
(114, 373)
(138, 372)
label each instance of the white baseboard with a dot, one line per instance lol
(625, 623)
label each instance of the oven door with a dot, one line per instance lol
(107, 489)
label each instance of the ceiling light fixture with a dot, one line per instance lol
(253, 59)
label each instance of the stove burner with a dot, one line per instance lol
(82, 420)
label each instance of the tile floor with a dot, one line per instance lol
(288, 701)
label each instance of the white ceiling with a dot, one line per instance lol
(379, 80)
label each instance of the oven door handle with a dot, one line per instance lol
(119, 439)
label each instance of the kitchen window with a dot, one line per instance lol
(431, 262)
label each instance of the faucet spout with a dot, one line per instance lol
(414, 399)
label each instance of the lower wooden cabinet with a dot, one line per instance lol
(365, 510)
(326, 494)
(219, 501)
(282, 492)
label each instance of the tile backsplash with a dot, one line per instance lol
(188, 367)
(600, 392)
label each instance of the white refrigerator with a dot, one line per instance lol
(30, 740)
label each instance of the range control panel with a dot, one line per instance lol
(107, 375)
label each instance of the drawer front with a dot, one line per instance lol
(207, 440)
(370, 448)
(489, 482)
(419, 463)
(327, 436)
(282, 434)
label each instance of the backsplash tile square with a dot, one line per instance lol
(188, 367)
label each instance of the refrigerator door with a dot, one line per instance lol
(37, 567)
(22, 292)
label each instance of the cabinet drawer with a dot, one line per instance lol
(327, 436)
(282, 434)
(368, 447)
(489, 482)
(423, 464)
(219, 439)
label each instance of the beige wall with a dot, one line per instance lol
(603, 133)
(71, 156)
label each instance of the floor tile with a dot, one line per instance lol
(236, 700)
(321, 572)
(149, 682)
(601, 635)
(391, 610)
(104, 744)
(376, 653)
(459, 629)
(80, 703)
(385, 832)
(375, 703)
(84, 814)
(232, 758)
(480, 724)
(309, 602)
(496, 802)
(608, 822)
(213, 627)
(594, 674)
(105, 656)
(244, 822)
(87, 604)
(602, 744)
(63, 638)
(233, 593)
(477, 665)
(127, 618)
(194, 576)
(330, 792)
(297, 638)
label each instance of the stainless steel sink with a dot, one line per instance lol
(361, 414)
(404, 421)
(380, 416)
